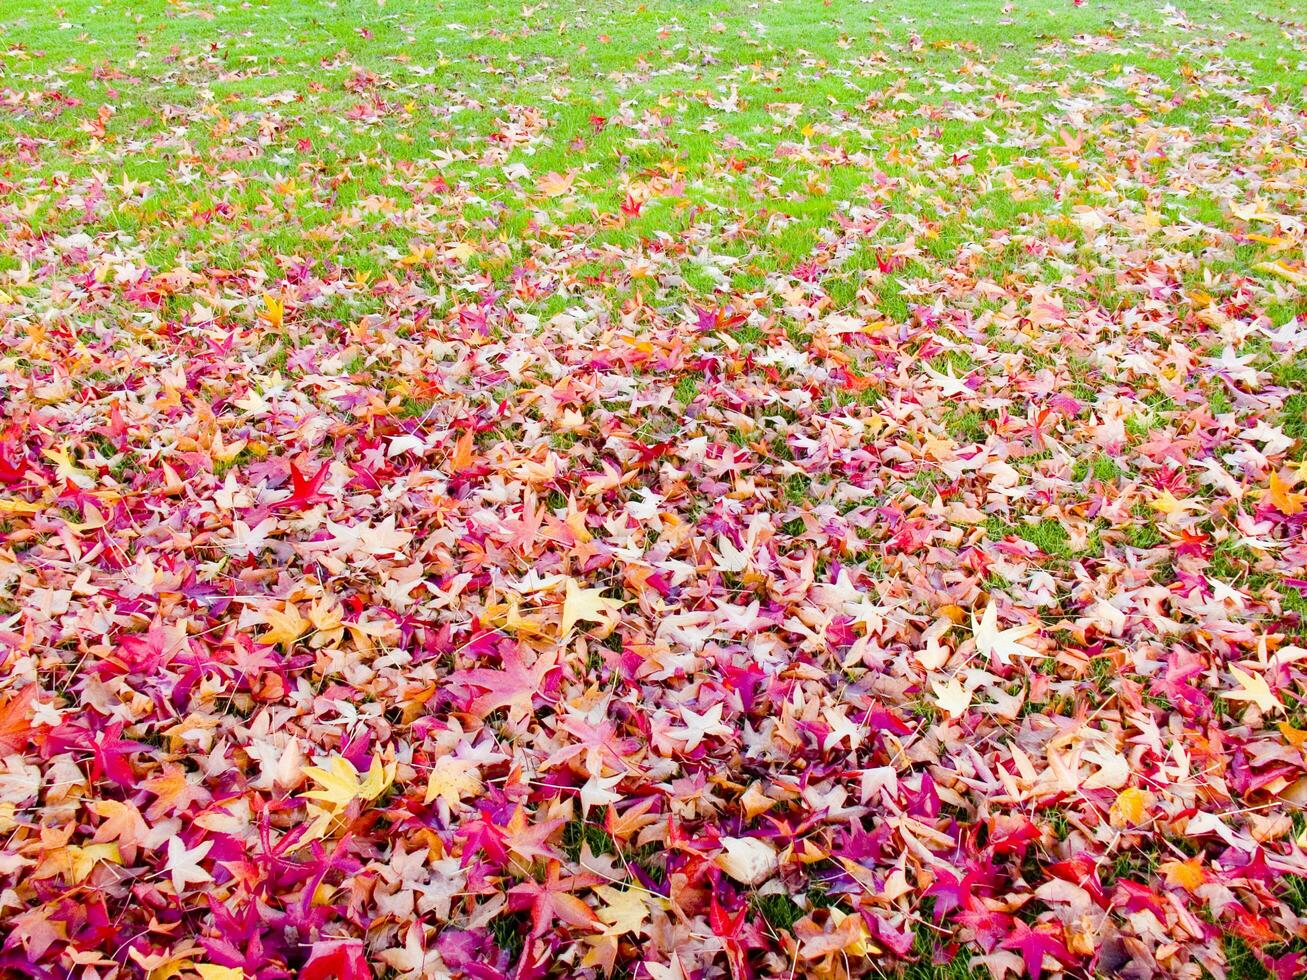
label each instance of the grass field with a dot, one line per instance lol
(663, 490)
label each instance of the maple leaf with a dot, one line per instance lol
(273, 312)
(122, 822)
(173, 791)
(951, 892)
(451, 780)
(413, 959)
(1035, 945)
(287, 626)
(36, 930)
(336, 960)
(597, 740)
(1167, 504)
(530, 841)
(15, 720)
(625, 911)
(1282, 498)
(184, 863)
(554, 184)
(1253, 688)
(341, 785)
(700, 725)
(366, 540)
(1131, 807)
(952, 697)
(304, 491)
(590, 605)
(326, 617)
(144, 654)
(997, 645)
(514, 687)
(598, 791)
(731, 558)
(551, 900)
(110, 756)
(246, 541)
(1188, 874)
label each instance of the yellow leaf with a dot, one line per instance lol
(1278, 268)
(209, 971)
(1282, 499)
(66, 467)
(590, 605)
(287, 626)
(861, 945)
(20, 507)
(225, 452)
(1131, 807)
(168, 969)
(341, 784)
(1184, 874)
(1253, 688)
(1272, 240)
(273, 312)
(1294, 736)
(378, 780)
(82, 860)
(622, 911)
(325, 617)
(1165, 503)
(508, 616)
(452, 779)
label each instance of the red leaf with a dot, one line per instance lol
(337, 960)
(304, 492)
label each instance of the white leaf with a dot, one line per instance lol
(748, 860)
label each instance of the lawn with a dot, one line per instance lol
(662, 490)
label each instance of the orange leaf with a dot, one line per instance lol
(462, 458)
(1286, 502)
(1184, 874)
(15, 720)
(1294, 736)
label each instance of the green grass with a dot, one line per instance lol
(780, 911)
(246, 55)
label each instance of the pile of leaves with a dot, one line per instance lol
(652, 492)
